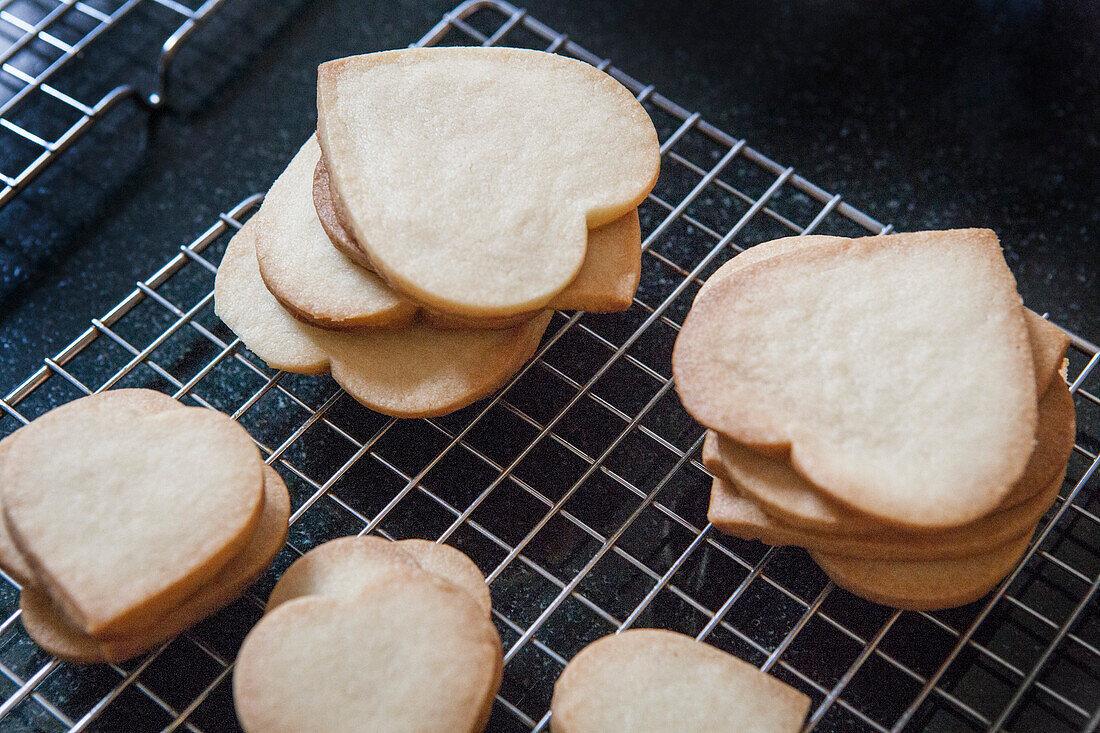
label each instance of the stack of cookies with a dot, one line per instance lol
(885, 402)
(450, 200)
(128, 518)
(362, 633)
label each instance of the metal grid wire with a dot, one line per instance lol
(38, 38)
(577, 489)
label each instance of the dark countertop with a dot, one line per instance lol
(932, 115)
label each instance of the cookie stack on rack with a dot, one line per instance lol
(450, 200)
(152, 517)
(885, 402)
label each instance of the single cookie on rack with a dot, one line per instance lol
(472, 183)
(866, 363)
(416, 371)
(140, 509)
(653, 681)
(408, 654)
(606, 282)
(49, 629)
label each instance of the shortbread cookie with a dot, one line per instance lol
(144, 399)
(783, 492)
(924, 586)
(302, 269)
(1048, 342)
(655, 681)
(450, 564)
(337, 231)
(1048, 348)
(407, 372)
(47, 626)
(409, 654)
(609, 276)
(11, 561)
(474, 178)
(341, 568)
(606, 282)
(740, 516)
(138, 510)
(869, 361)
(764, 251)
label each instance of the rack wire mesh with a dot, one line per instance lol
(39, 39)
(578, 489)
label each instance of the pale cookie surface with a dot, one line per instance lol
(47, 626)
(651, 681)
(137, 511)
(924, 586)
(406, 372)
(450, 564)
(314, 663)
(10, 560)
(341, 568)
(475, 176)
(606, 282)
(140, 399)
(869, 360)
(1048, 342)
(783, 492)
(304, 271)
(763, 251)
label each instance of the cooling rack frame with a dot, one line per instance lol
(48, 148)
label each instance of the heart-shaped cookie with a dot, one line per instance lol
(49, 629)
(654, 681)
(474, 178)
(138, 510)
(304, 271)
(450, 564)
(783, 492)
(408, 654)
(416, 371)
(924, 586)
(341, 568)
(138, 399)
(870, 361)
(606, 282)
(734, 513)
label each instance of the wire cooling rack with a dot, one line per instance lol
(578, 489)
(40, 38)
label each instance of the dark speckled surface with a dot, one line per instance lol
(933, 115)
